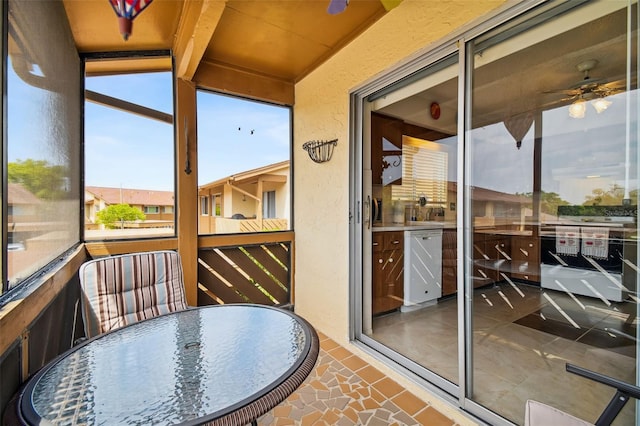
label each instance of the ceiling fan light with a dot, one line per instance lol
(600, 104)
(578, 108)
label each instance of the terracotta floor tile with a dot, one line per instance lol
(375, 394)
(282, 411)
(340, 353)
(335, 395)
(311, 418)
(328, 344)
(432, 417)
(351, 414)
(354, 363)
(408, 402)
(370, 374)
(370, 404)
(388, 387)
(330, 417)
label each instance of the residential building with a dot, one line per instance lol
(157, 206)
(250, 201)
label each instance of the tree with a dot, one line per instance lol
(119, 213)
(45, 181)
(611, 197)
(549, 202)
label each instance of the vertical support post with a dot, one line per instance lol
(187, 185)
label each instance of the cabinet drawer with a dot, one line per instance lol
(377, 241)
(393, 240)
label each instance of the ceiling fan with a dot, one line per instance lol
(339, 6)
(588, 89)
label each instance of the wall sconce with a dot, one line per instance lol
(320, 151)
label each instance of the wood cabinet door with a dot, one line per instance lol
(394, 270)
(449, 262)
(388, 271)
(378, 282)
(499, 247)
(386, 150)
(482, 274)
(491, 257)
(525, 255)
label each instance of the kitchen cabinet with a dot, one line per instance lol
(388, 271)
(449, 261)
(490, 257)
(525, 258)
(386, 150)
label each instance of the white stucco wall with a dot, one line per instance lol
(322, 190)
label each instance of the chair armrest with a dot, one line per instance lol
(631, 390)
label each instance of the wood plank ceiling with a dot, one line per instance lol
(278, 40)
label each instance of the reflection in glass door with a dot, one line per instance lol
(554, 205)
(413, 288)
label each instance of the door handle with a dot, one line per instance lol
(368, 212)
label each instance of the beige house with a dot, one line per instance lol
(156, 205)
(22, 204)
(250, 201)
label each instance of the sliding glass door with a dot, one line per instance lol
(553, 202)
(413, 289)
(500, 192)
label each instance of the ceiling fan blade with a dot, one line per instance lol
(337, 6)
(568, 92)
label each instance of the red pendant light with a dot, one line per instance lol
(127, 10)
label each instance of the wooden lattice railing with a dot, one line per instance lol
(257, 269)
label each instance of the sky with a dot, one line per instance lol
(129, 151)
(134, 152)
(234, 135)
(575, 161)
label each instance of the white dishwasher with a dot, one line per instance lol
(422, 268)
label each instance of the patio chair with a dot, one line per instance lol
(539, 414)
(123, 289)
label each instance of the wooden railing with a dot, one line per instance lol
(262, 225)
(222, 225)
(251, 268)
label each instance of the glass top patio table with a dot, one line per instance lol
(226, 364)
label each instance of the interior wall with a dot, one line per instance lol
(321, 191)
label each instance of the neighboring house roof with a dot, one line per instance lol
(18, 194)
(134, 197)
(484, 194)
(249, 176)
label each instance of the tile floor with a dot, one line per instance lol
(515, 362)
(345, 390)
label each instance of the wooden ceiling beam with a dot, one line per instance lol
(244, 83)
(198, 22)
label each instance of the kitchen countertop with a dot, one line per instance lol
(411, 226)
(419, 225)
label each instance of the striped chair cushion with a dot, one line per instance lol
(121, 290)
